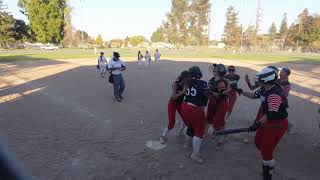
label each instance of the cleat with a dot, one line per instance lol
(196, 158)
(162, 139)
(219, 145)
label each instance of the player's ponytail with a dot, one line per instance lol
(184, 75)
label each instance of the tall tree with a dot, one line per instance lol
(187, 23)
(46, 18)
(291, 36)
(304, 27)
(158, 35)
(232, 31)
(199, 20)
(68, 39)
(249, 36)
(99, 40)
(21, 31)
(315, 32)
(6, 26)
(78, 37)
(273, 30)
(284, 26)
(177, 22)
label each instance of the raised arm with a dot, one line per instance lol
(248, 95)
(175, 95)
(251, 87)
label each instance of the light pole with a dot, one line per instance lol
(82, 39)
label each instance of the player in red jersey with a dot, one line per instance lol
(274, 123)
(233, 79)
(179, 88)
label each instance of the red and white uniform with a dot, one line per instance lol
(211, 105)
(233, 82)
(285, 85)
(274, 105)
(174, 105)
(221, 105)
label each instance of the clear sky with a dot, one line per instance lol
(119, 18)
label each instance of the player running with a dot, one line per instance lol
(179, 88)
(233, 83)
(193, 111)
(274, 123)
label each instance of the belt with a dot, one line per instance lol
(189, 103)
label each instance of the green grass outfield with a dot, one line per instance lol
(20, 55)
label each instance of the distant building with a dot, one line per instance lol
(144, 45)
(162, 45)
(219, 45)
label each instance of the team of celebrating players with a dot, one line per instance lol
(190, 96)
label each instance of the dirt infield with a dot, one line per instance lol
(60, 120)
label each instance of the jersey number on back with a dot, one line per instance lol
(192, 92)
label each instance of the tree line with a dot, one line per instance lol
(187, 24)
(11, 29)
(49, 22)
(303, 34)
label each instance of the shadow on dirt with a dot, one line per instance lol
(69, 127)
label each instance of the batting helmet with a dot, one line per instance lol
(267, 75)
(221, 70)
(276, 70)
(195, 72)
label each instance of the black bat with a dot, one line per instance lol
(231, 131)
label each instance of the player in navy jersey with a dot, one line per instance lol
(179, 88)
(233, 83)
(193, 111)
(274, 123)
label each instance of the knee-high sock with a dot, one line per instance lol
(196, 145)
(182, 126)
(165, 132)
